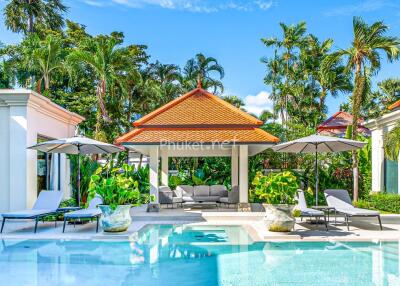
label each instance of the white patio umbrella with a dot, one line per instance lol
(318, 144)
(76, 145)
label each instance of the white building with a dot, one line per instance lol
(385, 173)
(26, 118)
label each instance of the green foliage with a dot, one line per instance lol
(392, 143)
(88, 167)
(274, 188)
(118, 188)
(381, 202)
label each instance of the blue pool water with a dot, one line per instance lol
(179, 255)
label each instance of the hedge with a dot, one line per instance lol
(381, 202)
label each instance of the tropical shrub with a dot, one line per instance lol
(117, 188)
(381, 201)
(275, 188)
(88, 167)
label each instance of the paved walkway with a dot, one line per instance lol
(361, 229)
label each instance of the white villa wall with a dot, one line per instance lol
(379, 128)
(25, 115)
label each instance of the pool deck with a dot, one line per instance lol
(361, 229)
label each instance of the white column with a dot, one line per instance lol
(18, 158)
(377, 160)
(154, 154)
(235, 166)
(164, 168)
(243, 174)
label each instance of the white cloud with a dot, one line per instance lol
(258, 103)
(199, 6)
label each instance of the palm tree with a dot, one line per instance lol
(204, 69)
(234, 100)
(331, 77)
(391, 89)
(168, 76)
(25, 15)
(392, 143)
(363, 57)
(293, 37)
(47, 58)
(106, 61)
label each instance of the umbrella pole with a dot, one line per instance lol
(79, 181)
(316, 176)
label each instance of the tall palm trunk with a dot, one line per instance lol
(357, 95)
(322, 100)
(30, 19)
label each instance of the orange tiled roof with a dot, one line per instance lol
(198, 116)
(394, 105)
(197, 107)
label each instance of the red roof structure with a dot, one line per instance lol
(337, 124)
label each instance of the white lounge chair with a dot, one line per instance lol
(90, 213)
(341, 201)
(46, 204)
(308, 212)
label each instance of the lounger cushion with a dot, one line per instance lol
(27, 213)
(48, 200)
(358, 212)
(85, 213)
(311, 212)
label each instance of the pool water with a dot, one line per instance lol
(197, 255)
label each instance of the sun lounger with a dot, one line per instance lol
(340, 200)
(308, 212)
(90, 213)
(46, 204)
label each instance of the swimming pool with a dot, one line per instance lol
(197, 255)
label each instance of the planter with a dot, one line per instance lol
(279, 217)
(115, 220)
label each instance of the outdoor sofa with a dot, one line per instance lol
(306, 211)
(232, 198)
(92, 212)
(341, 202)
(186, 193)
(46, 204)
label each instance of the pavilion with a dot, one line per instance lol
(198, 124)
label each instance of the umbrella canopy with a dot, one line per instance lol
(76, 145)
(318, 144)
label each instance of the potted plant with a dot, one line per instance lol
(277, 191)
(119, 192)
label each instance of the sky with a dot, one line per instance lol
(229, 30)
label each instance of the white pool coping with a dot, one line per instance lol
(361, 229)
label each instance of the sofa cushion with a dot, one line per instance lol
(201, 190)
(206, 198)
(218, 190)
(176, 200)
(224, 200)
(187, 199)
(185, 190)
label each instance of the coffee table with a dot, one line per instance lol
(202, 205)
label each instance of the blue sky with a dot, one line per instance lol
(229, 30)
